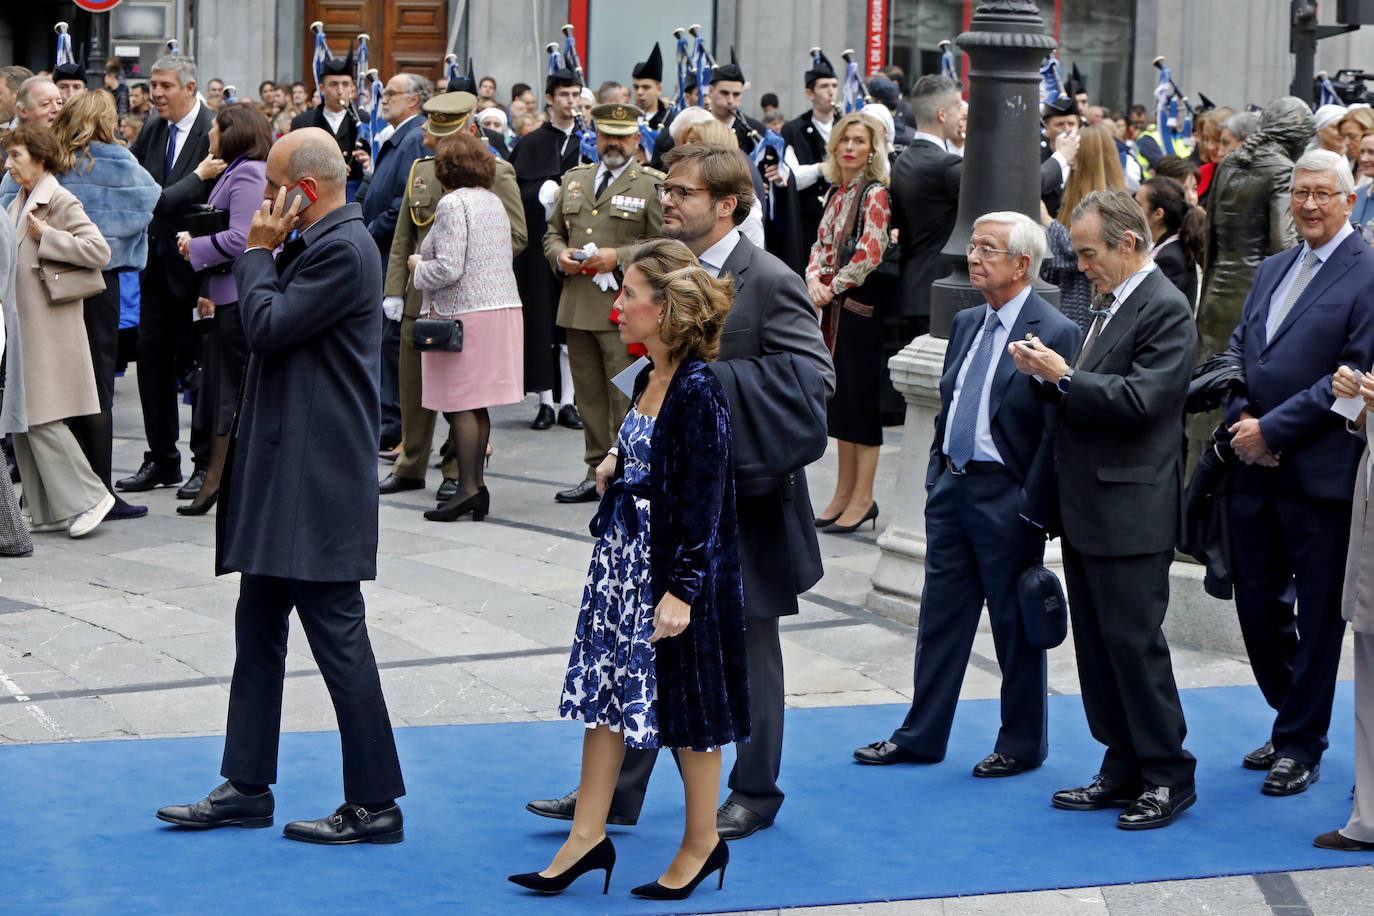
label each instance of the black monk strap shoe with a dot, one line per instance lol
(1100, 793)
(886, 753)
(1288, 777)
(150, 475)
(735, 822)
(349, 824)
(1261, 758)
(1157, 806)
(998, 764)
(393, 484)
(223, 807)
(562, 809)
(584, 492)
(1339, 841)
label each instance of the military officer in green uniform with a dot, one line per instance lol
(447, 114)
(613, 204)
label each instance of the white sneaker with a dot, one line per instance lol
(85, 523)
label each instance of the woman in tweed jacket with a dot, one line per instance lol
(464, 270)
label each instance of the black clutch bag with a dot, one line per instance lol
(1044, 611)
(204, 219)
(441, 335)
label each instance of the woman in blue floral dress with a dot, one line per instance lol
(658, 659)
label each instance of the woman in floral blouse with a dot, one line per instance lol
(852, 295)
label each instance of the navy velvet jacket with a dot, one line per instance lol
(703, 684)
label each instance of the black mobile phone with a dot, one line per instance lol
(579, 256)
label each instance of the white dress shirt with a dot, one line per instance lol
(1123, 292)
(334, 118)
(808, 175)
(1281, 291)
(184, 130)
(602, 169)
(714, 258)
(984, 449)
(929, 138)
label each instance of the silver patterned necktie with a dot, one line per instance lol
(1276, 315)
(1100, 316)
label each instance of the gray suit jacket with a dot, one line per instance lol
(1118, 455)
(772, 313)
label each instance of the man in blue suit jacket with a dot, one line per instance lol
(989, 492)
(402, 100)
(1310, 310)
(304, 540)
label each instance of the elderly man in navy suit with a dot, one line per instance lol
(989, 490)
(1311, 309)
(402, 100)
(304, 540)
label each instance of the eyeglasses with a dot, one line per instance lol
(675, 193)
(1321, 197)
(985, 252)
(388, 93)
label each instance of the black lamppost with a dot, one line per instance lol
(1006, 43)
(95, 51)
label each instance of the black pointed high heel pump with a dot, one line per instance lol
(600, 856)
(718, 859)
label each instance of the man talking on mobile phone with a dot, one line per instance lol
(304, 540)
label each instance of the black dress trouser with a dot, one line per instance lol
(333, 617)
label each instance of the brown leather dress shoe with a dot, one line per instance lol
(1339, 841)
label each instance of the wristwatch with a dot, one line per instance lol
(1064, 380)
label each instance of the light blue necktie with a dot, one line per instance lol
(1304, 277)
(965, 426)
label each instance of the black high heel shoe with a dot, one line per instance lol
(870, 516)
(199, 507)
(826, 522)
(718, 859)
(600, 856)
(479, 504)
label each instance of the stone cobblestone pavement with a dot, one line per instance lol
(127, 634)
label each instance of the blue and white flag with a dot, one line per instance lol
(64, 46)
(376, 123)
(321, 55)
(702, 66)
(1328, 94)
(771, 140)
(947, 67)
(362, 63)
(451, 74)
(1166, 109)
(852, 92)
(684, 62)
(1051, 80)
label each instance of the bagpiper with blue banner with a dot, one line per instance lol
(648, 89)
(1172, 131)
(853, 93)
(457, 82)
(336, 114)
(806, 137)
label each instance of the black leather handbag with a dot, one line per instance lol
(1044, 611)
(440, 335)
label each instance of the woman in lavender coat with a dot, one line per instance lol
(240, 137)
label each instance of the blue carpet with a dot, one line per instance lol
(81, 836)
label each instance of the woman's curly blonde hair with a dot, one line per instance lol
(695, 304)
(875, 169)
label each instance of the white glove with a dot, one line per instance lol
(605, 281)
(392, 307)
(548, 196)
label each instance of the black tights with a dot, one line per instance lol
(471, 430)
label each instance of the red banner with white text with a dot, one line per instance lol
(875, 53)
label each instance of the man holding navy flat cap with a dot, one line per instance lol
(989, 496)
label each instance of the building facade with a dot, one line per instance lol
(1234, 51)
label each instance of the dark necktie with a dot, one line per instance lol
(1099, 319)
(605, 180)
(289, 252)
(964, 428)
(171, 157)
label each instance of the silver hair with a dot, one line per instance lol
(1120, 213)
(931, 93)
(1324, 160)
(22, 94)
(183, 66)
(1024, 236)
(1241, 124)
(418, 85)
(318, 160)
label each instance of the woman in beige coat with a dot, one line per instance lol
(1357, 607)
(61, 492)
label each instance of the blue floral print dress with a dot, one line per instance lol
(610, 678)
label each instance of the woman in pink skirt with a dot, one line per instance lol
(464, 270)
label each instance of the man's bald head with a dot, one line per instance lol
(309, 156)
